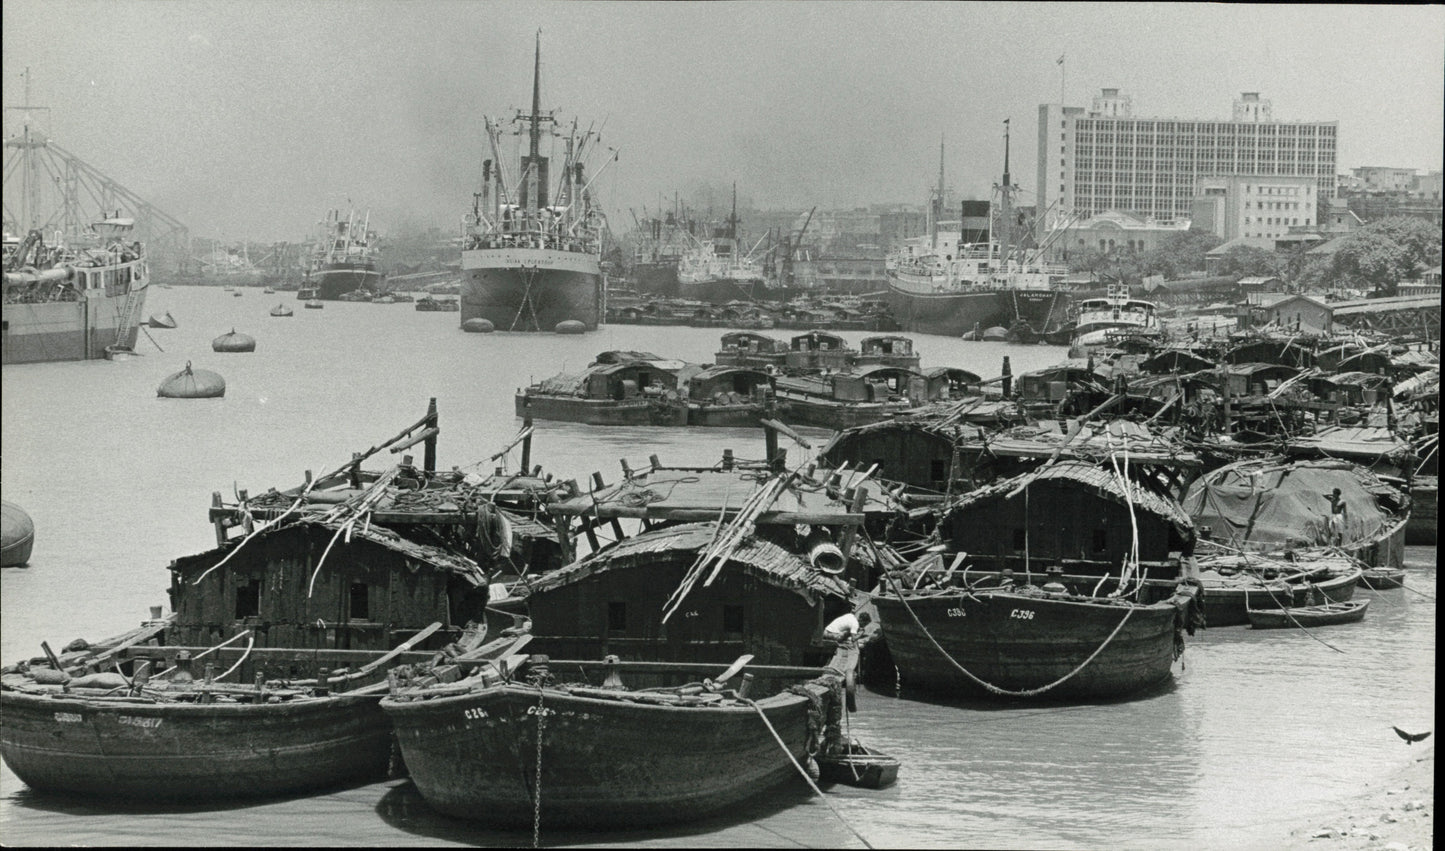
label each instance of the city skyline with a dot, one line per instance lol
(251, 120)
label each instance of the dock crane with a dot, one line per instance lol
(793, 249)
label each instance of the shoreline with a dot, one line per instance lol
(1397, 814)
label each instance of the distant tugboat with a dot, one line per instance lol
(345, 259)
(531, 261)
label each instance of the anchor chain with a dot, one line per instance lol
(541, 712)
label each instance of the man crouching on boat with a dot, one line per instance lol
(847, 628)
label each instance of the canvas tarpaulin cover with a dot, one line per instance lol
(1289, 504)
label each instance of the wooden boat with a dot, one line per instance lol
(1033, 642)
(281, 310)
(848, 399)
(166, 321)
(727, 396)
(1271, 505)
(443, 305)
(136, 735)
(1383, 578)
(858, 765)
(630, 391)
(1325, 614)
(315, 304)
(665, 748)
(1233, 584)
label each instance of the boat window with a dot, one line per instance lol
(248, 599)
(733, 619)
(617, 617)
(357, 603)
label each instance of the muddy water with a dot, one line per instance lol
(1256, 729)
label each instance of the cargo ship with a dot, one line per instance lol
(344, 259)
(82, 299)
(716, 270)
(532, 243)
(964, 281)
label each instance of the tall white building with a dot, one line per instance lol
(1104, 158)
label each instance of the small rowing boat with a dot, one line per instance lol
(1325, 614)
(1381, 578)
(858, 765)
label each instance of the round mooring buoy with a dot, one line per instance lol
(17, 535)
(478, 325)
(570, 326)
(192, 384)
(234, 342)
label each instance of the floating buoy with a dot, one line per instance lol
(17, 535)
(193, 384)
(995, 334)
(279, 310)
(570, 326)
(234, 342)
(478, 325)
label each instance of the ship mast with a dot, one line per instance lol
(936, 208)
(1005, 203)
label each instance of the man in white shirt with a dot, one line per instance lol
(846, 627)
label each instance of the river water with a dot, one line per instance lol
(1257, 731)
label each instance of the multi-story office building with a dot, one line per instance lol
(1104, 158)
(1253, 206)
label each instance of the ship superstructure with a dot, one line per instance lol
(532, 243)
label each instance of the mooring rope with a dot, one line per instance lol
(803, 771)
(990, 686)
(1285, 607)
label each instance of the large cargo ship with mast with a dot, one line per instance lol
(344, 259)
(532, 247)
(716, 270)
(955, 282)
(78, 295)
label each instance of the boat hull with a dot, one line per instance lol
(1019, 642)
(1422, 527)
(190, 752)
(531, 289)
(1229, 606)
(337, 279)
(834, 415)
(919, 309)
(574, 409)
(605, 763)
(1309, 616)
(67, 330)
(720, 290)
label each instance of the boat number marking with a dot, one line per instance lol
(475, 713)
(957, 613)
(543, 711)
(691, 614)
(133, 721)
(68, 718)
(1022, 614)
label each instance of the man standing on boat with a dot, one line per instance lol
(1339, 512)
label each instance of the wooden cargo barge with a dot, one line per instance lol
(570, 748)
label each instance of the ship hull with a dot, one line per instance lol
(920, 310)
(720, 290)
(531, 289)
(337, 279)
(657, 278)
(67, 330)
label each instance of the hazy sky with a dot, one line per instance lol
(251, 119)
